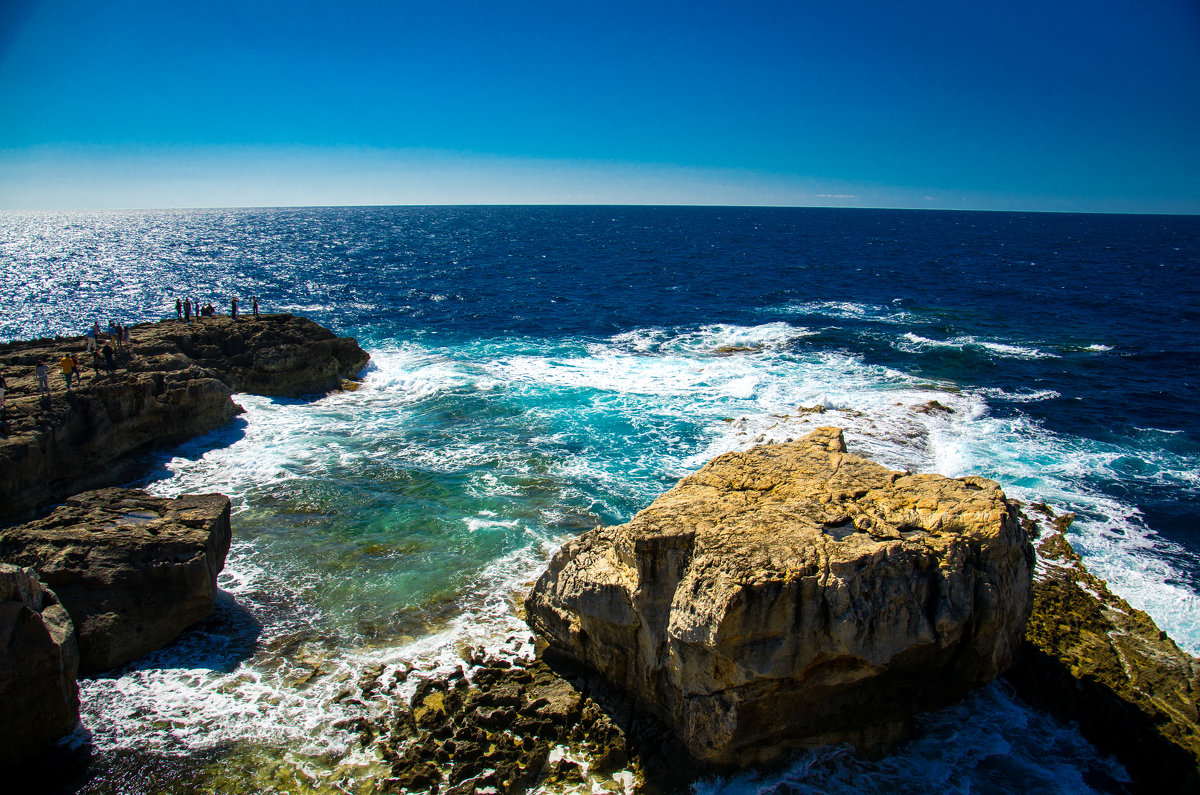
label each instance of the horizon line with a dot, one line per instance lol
(896, 208)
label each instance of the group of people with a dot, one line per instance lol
(185, 308)
(103, 358)
(118, 340)
(117, 334)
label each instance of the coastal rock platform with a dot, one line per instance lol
(176, 383)
(795, 595)
(132, 570)
(1091, 658)
(39, 699)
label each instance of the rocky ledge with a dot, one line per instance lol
(39, 700)
(795, 595)
(132, 570)
(1092, 659)
(175, 383)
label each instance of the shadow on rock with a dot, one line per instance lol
(219, 643)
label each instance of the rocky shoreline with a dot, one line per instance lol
(175, 383)
(1092, 659)
(113, 573)
(697, 638)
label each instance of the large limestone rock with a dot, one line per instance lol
(795, 595)
(132, 570)
(1092, 659)
(176, 385)
(39, 700)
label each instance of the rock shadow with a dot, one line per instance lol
(666, 765)
(152, 464)
(1108, 720)
(219, 643)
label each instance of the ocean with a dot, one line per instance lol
(538, 371)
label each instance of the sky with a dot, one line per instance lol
(1045, 105)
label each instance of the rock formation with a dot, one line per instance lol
(176, 385)
(1091, 658)
(39, 700)
(795, 595)
(132, 570)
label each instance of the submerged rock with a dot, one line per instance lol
(795, 595)
(1092, 659)
(39, 699)
(176, 384)
(132, 570)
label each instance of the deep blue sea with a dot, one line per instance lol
(537, 371)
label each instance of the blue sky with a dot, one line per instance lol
(1077, 106)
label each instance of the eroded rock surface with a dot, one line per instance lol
(1091, 658)
(132, 570)
(795, 595)
(176, 384)
(39, 700)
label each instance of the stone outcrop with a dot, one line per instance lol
(1091, 658)
(795, 595)
(176, 384)
(39, 700)
(132, 570)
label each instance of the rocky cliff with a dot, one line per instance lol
(39, 700)
(175, 384)
(795, 595)
(132, 570)
(1092, 659)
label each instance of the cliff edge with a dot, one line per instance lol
(175, 383)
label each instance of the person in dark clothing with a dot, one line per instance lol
(108, 358)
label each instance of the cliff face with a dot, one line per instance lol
(176, 385)
(795, 595)
(39, 700)
(1091, 658)
(132, 570)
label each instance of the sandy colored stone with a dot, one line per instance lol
(795, 595)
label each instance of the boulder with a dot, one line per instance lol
(132, 570)
(39, 700)
(175, 384)
(795, 595)
(1092, 659)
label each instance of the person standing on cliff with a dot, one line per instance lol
(67, 365)
(91, 339)
(178, 309)
(43, 378)
(187, 309)
(108, 358)
(233, 308)
(254, 305)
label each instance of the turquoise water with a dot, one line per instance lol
(539, 371)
